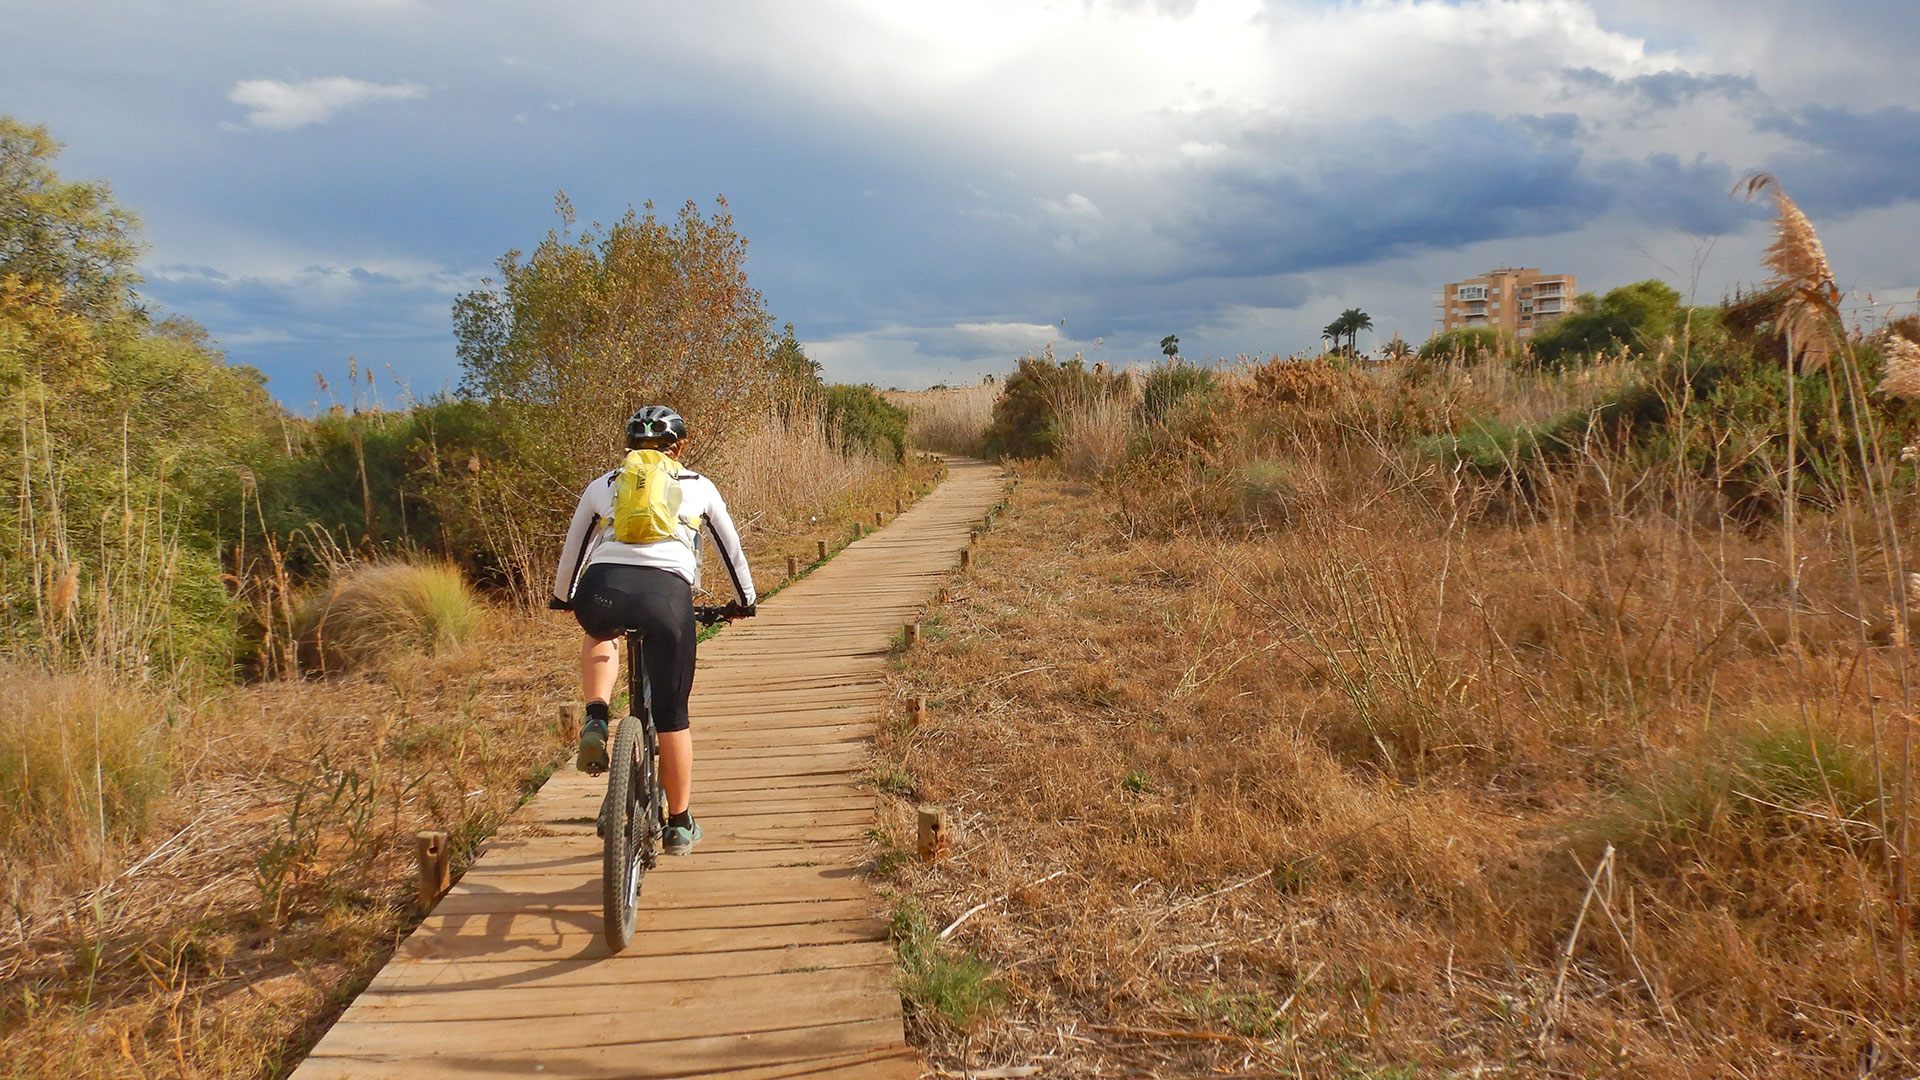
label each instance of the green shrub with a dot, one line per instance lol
(1467, 345)
(1169, 384)
(864, 421)
(120, 435)
(1027, 418)
(1634, 317)
(940, 981)
(382, 611)
(1760, 783)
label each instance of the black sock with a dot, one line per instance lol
(597, 710)
(681, 820)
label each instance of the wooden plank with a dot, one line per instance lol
(606, 1019)
(585, 945)
(519, 1002)
(704, 1056)
(437, 976)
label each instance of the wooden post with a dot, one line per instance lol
(569, 725)
(920, 709)
(431, 853)
(912, 633)
(793, 565)
(879, 518)
(943, 594)
(859, 530)
(822, 547)
(933, 833)
(966, 558)
(899, 505)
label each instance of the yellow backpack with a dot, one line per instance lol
(646, 501)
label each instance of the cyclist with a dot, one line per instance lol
(612, 586)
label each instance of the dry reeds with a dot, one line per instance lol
(83, 759)
(948, 420)
(788, 465)
(1094, 433)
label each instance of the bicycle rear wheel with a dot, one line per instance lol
(632, 828)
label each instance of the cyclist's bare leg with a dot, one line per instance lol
(676, 768)
(599, 667)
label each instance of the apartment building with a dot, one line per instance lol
(1517, 299)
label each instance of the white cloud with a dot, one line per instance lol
(274, 105)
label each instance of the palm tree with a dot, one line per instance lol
(1333, 331)
(1352, 321)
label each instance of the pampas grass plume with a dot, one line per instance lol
(1903, 369)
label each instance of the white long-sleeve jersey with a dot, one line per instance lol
(590, 538)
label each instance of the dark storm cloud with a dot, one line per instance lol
(1689, 196)
(1365, 192)
(1848, 160)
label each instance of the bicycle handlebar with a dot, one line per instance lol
(707, 615)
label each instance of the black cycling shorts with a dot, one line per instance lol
(613, 598)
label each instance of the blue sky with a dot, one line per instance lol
(932, 189)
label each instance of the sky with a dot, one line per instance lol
(931, 189)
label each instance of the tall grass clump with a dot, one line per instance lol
(946, 419)
(376, 612)
(83, 761)
(1094, 433)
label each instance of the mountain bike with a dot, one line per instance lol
(634, 814)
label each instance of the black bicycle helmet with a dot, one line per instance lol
(655, 424)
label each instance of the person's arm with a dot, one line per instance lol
(573, 553)
(727, 542)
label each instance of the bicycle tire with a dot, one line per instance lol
(629, 805)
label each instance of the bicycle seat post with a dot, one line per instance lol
(637, 692)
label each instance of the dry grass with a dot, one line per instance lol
(276, 874)
(1296, 747)
(1095, 432)
(1338, 794)
(949, 420)
(82, 762)
(785, 473)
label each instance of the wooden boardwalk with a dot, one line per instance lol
(764, 953)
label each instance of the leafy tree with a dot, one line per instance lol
(584, 330)
(575, 336)
(67, 235)
(121, 437)
(1634, 317)
(1170, 345)
(791, 362)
